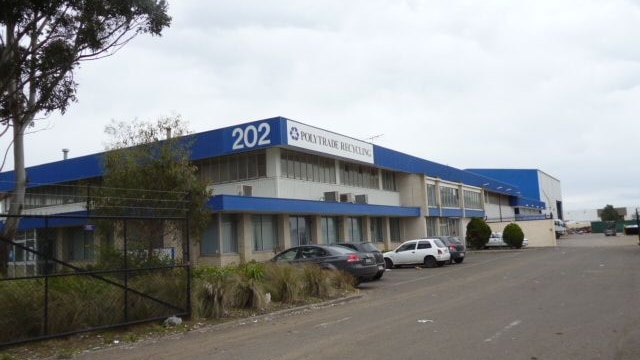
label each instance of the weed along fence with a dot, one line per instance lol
(68, 274)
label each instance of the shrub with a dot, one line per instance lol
(513, 235)
(22, 309)
(478, 233)
(317, 282)
(213, 291)
(283, 282)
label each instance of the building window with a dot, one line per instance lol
(449, 226)
(265, 232)
(394, 229)
(330, 229)
(232, 168)
(354, 229)
(377, 229)
(449, 196)
(300, 228)
(210, 242)
(301, 166)
(359, 175)
(389, 181)
(432, 226)
(80, 245)
(431, 195)
(229, 233)
(472, 200)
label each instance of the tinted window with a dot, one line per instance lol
(287, 255)
(312, 252)
(407, 247)
(424, 245)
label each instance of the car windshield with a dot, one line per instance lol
(438, 242)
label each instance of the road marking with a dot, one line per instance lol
(505, 329)
(324, 325)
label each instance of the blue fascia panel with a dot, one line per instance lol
(233, 139)
(238, 138)
(448, 212)
(474, 213)
(84, 167)
(40, 222)
(234, 203)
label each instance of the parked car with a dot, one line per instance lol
(368, 247)
(430, 252)
(495, 240)
(362, 266)
(456, 248)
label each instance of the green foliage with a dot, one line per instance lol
(284, 283)
(42, 43)
(148, 174)
(609, 213)
(213, 291)
(478, 233)
(45, 42)
(79, 302)
(21, 319)
(513, 236)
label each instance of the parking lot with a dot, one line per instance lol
(576, 301)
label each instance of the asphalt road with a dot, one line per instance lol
(577, 301)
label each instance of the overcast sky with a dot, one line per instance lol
(552, 85)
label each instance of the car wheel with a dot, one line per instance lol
(459, 261)
(430, 262)
(388, 263)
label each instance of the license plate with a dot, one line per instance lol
(368, 261)
(461, 254)
(380, 267)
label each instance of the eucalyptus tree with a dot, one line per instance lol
(42, 44)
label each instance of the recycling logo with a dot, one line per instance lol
(295, 135)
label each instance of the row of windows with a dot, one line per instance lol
(53, 195)
(359, 175)
(265, 232)
(231, 168)
(301, 166)
(472, 200)
(449, 197)
(297, 165)
(446, 226)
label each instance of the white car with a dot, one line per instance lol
(430, 252)
(495, 240)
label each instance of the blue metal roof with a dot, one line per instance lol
(527, 179)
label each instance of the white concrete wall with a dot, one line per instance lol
(550, 192)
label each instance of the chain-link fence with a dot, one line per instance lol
(67, 274)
